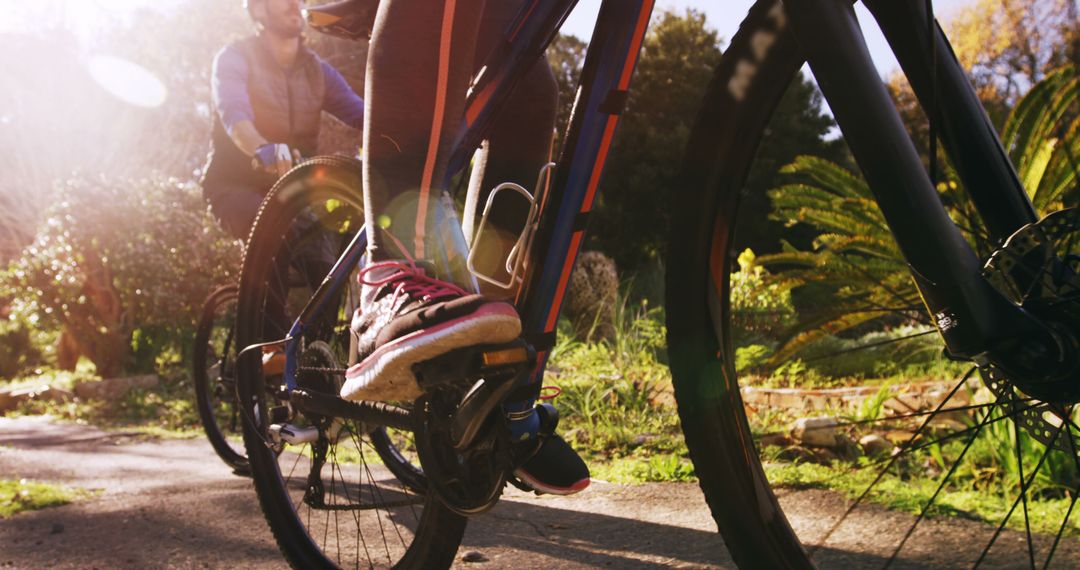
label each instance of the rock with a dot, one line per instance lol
(899, 436)
(473, 556)
(876, 446)
(11, 399)
(821, 431)
(944, 426)
(114, 388)
(823, 456)
(777, 439)
(795, 454)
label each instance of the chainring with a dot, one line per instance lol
(467, 481)
(1053, 289)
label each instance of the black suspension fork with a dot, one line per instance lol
(971, 315)
(966, 132)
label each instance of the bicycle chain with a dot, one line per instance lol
(338, 371)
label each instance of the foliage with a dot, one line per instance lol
(566, 54)
(1009, 45)
(136, 270)
(759, 303)
(165, 411)
(23, 495)
(55, 113)
(18, 352)
(854, 257)
(616, 402)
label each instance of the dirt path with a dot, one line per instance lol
(172, 503)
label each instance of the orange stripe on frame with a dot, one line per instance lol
(441, 88)
(598, 167)
(478, 104)
(635, 44)
(568, 265)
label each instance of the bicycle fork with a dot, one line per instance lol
(975, 320)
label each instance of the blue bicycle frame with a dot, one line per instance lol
(565, 207)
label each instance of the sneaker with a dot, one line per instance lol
(554, 468)
(406, 317)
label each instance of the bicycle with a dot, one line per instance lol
(1023, 346)
(214, 374)
(213, 370)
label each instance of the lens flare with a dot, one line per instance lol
(128, 81)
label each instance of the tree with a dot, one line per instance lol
(677, 62)
(1008, 46)
(566, 54)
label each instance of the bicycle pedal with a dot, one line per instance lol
(294, 435)
(492, 363)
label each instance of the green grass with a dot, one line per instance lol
(910, 495)
(22, 495)
(616, 406)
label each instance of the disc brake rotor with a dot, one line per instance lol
(1037, 268)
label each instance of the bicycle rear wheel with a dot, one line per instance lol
(782, 502)
(328, 496)
(214, 373)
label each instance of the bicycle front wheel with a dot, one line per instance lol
(911, 461)
(325, 490)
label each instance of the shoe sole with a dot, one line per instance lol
(387, 373)
(541, 487)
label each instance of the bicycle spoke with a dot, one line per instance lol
(937, 491)
(905, 450)
(892, 460)
(869, 346)
(1072, 502)
(1020, 472)
(1023, 491)
(333, 478)
(376, 496)
(967, 408)
(963, 432)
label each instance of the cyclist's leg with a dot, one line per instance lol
(235, 206)
(520, 145)
(419, 63)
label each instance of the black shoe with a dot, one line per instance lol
(554, 467)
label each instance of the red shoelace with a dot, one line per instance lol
(410, 280)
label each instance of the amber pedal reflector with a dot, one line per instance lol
(505, 356)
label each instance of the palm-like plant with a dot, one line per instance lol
(854, 255)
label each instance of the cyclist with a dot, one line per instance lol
(269, 91)
(420, 58)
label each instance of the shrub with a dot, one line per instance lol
(760, 306)
(17, 350)
(119, 256)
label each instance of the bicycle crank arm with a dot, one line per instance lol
(495, 370)
(370, 413)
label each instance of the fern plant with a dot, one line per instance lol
(854, 256)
